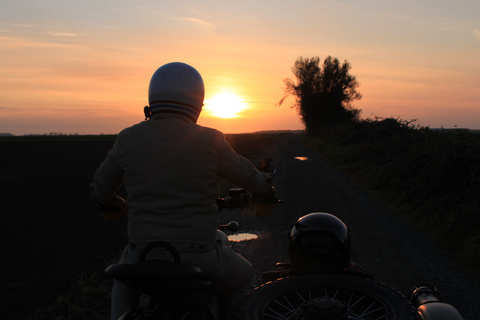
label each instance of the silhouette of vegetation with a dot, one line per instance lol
(324, 94)
(58, 138)
(432, 177)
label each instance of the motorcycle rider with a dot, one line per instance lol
(170, 168)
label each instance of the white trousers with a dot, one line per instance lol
(232, 275)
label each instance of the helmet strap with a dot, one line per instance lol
(148, 112)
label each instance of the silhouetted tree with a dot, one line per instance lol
(324, 95)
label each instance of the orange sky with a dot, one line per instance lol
(84, 68)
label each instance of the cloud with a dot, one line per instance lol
(476, 33)
(17, 25)
(404, 18)
(8, 109)
(64, 34)
(19, 42)
(6, 24)
(195, 20)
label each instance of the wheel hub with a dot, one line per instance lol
(324, 308)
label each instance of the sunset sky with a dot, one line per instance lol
(84, 66)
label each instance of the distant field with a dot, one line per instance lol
(245, 144)
(51, 138)
(52, 239)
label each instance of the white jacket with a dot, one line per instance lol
(171, 167)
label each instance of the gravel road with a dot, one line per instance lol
(382, 243)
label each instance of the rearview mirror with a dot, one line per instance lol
(268, 166)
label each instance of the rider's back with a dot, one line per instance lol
(170, 169)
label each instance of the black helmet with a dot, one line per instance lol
(319, 240)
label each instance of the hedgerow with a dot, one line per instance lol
(431, 177)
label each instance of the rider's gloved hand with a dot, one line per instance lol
(114, 209)
(265, 203)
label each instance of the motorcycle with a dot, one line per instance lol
(297, 291)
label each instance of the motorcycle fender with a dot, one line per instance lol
(438, 311)
(223, 237)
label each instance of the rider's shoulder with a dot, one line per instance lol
(211, 131)
(146, 128)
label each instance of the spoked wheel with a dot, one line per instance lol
(333, 297)
(132, 314)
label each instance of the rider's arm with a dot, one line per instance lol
(108, 178)
(241, 172)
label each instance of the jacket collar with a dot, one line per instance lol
(171, 116)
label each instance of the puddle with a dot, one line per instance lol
(302, 158)
(242, 237)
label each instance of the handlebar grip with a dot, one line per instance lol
(232, 226)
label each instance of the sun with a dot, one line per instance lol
(225, 105)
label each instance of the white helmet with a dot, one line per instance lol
(176, 88)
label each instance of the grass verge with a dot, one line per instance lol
(432, 178)
(89, 298)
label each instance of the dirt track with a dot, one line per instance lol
(51, 234)
(388, 249)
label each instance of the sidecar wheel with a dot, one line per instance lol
(325, 296)
(132, 314)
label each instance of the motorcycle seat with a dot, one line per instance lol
(159, 277)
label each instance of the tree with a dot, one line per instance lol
(324, 95)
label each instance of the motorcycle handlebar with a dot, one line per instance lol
(232, 226)
(238, 198)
